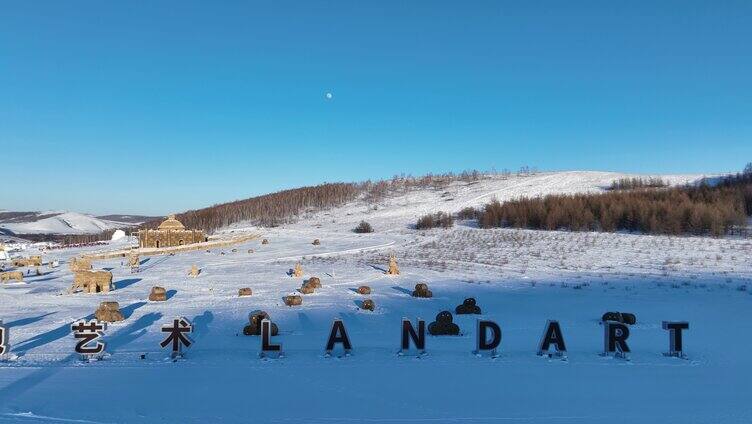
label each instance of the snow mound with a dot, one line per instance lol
(117, 235)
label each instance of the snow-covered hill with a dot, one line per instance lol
(401, 210)
(59, 222)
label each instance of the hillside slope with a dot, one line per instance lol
(66, 223)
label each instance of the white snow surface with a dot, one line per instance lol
(520, 279)
(64, 223)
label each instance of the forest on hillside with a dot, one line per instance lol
(717, 208)
(278, 208)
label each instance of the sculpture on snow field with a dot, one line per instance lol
(11, 275)
(170, 232)
(421, 290)
(310, 285)
(195, 271)
(443, 326)
(368, 305)
(468, 307)
(297, 271)
(30, 261)
(109, 312)
(393, 269)
(254, 326)
(364, 290)
(293, 300)
(92, 281)
(158, 294)
(245, 291)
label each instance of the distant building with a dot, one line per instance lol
(170, 233)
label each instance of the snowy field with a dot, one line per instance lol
(520, 279)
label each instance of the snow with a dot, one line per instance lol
(64, 223)
(117, 235)
(520, 279)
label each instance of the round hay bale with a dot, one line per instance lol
(314, 282)
(306, 289)
(368, 305)
(364, 290)
(245, 291)
(316, 242)
(109, 312)
(264, 241)
(293, 300)
(158, 294)
(421, 290)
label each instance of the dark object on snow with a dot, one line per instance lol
(421, 290)
(363, 227)
(158, 294)
(364, 290)
(292, 300)
(316, 242)
(314, 282)
(468, 307)
(264, 241)
(368, 304)
(306, 289)
(623, 317)
(245, 291)
(443, 326)
(254, 328)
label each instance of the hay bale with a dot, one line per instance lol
(468, 307)
(368, 305)
(421, 290)
(254, 326)
(11, 275)
(250, 250)
(264, 241)
(158, 294)
(109, 312)
(293, 300)
(316, 242)
(443, 326)
(393, 268)
(314, 282)
(92, 281)
(245, 291)
(364, 290)
(306, 289)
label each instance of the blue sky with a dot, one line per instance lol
(160, 106)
